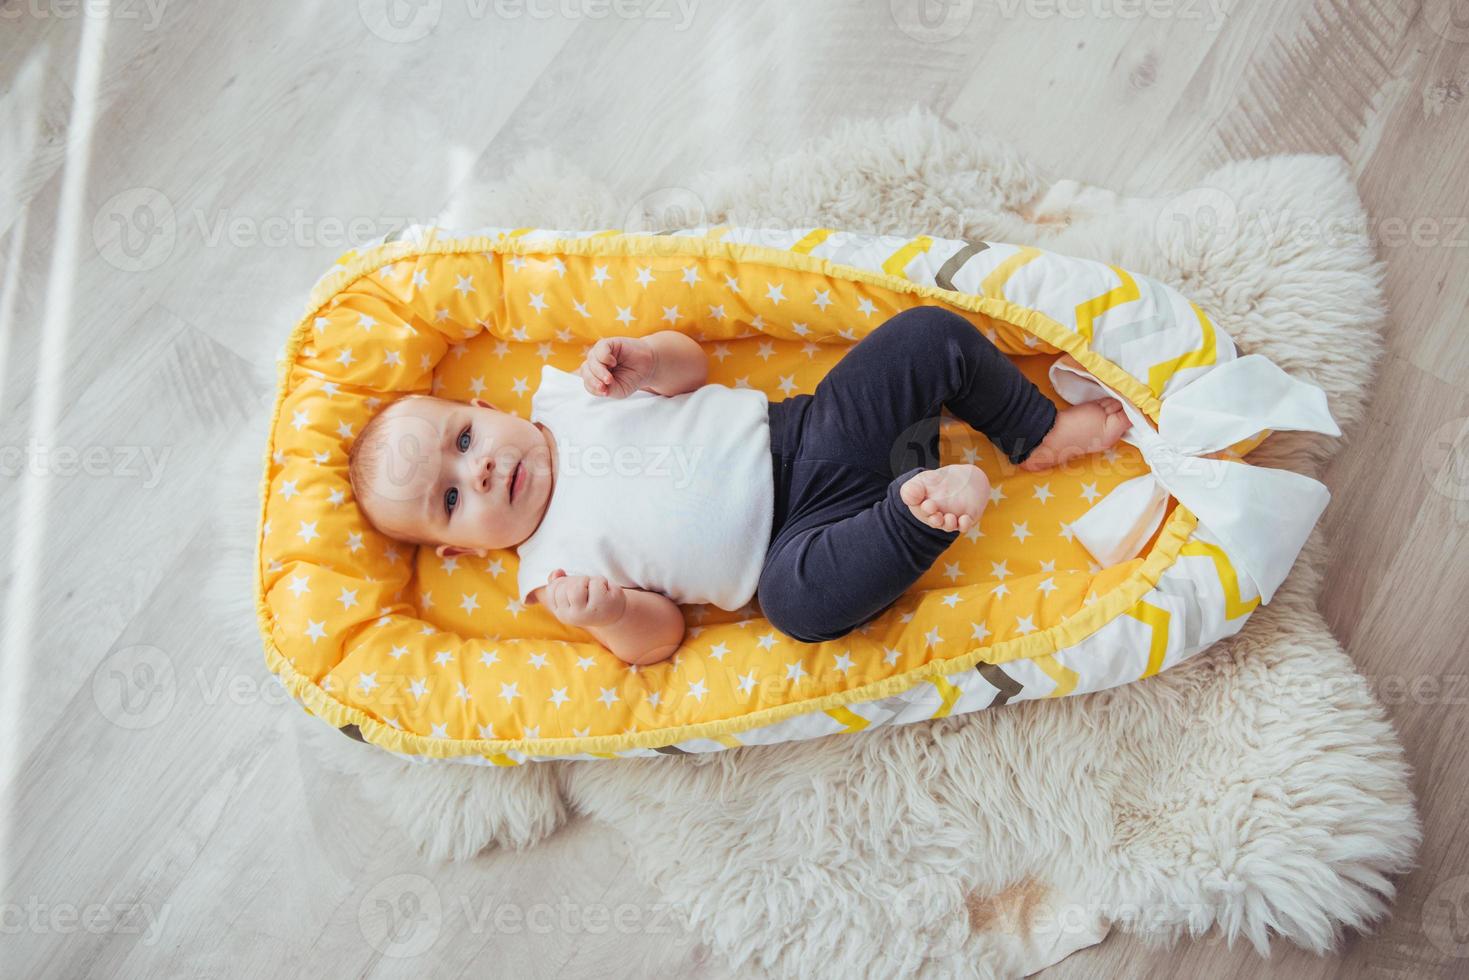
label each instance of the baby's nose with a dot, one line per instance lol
(486, 473)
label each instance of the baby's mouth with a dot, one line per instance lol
(514, 475)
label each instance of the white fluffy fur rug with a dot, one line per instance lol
(1257, 789)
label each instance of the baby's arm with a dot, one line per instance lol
(638, 627)
(665, 363)
(681, 364)
(650, 629)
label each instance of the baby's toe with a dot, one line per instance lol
(1114, 426)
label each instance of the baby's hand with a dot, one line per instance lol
(581, 600)
(618, 366)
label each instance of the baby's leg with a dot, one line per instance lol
(824, 577)
(909, 368)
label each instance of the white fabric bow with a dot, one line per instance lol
(1261, 516)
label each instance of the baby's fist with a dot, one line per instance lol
(582, 600)
(615, 367)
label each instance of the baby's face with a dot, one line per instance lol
(463, 477)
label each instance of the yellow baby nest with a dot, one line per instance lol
(436, 658)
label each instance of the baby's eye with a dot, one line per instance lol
(463, 441)
(451, 497)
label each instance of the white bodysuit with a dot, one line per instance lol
(672, 495)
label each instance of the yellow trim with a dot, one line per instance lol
(1208, 350)
(813, 238)
(1088, 312)
(948, 692)
(500, 759)
(717, 232)
(994, 283)
(1157, 619)
(899, 260)
(848, 719)
(1042, 643)
(1063, 675)
(1234, 606)
(727, 740)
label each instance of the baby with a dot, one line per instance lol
(654, 488)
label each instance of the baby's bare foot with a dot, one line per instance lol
(950, 498)
(1080, 429)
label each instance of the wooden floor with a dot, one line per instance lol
(190, 835)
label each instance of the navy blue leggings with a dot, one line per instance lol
(844, 546)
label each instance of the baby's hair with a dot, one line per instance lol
(365, 456)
